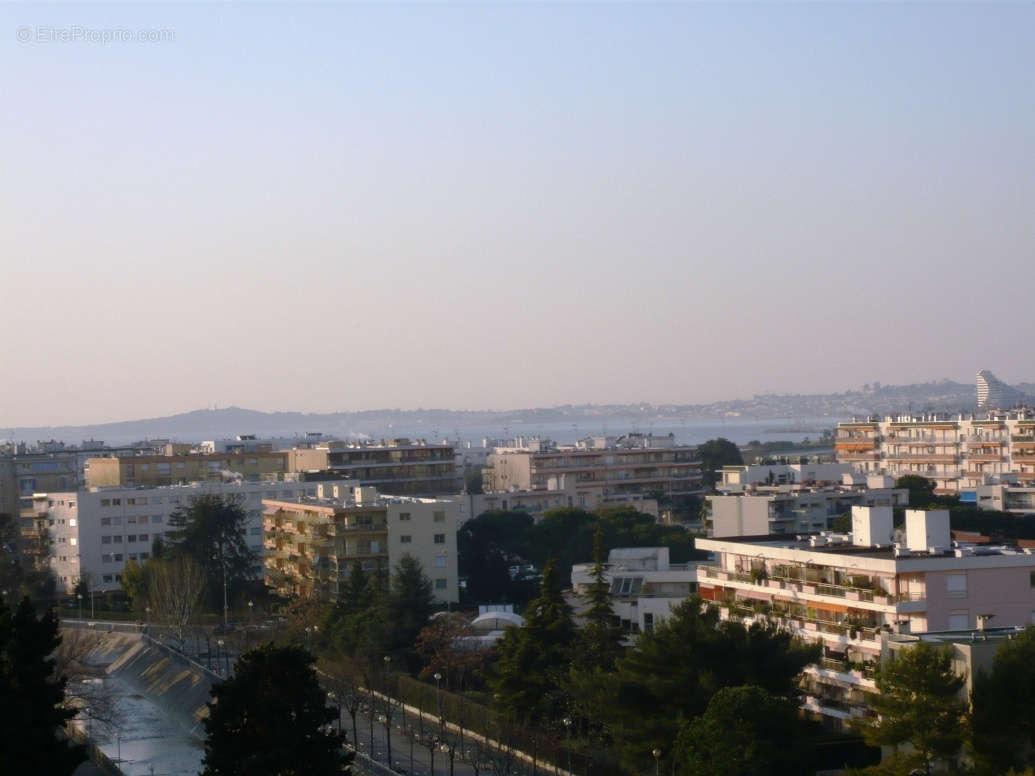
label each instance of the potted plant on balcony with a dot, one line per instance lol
(759, 576)
(880, 595)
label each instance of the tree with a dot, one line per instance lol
(600, 640)
(409, 606)
(745, 731)
(918, 704)
(174, 590)
(136, 582)
(532, 662)
(1003, 707)
(211, 531)
(488, 546)
(272, 719)
(673, 672)
(441, 645)
(921, 490)
(716, 453)
(31, 695)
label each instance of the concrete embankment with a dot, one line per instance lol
(180, 687)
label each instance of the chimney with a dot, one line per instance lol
(983, 620)
(871, 526)
(927, 530)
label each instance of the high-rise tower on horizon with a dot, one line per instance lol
(992, 393)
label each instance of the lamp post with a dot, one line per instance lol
(449, 749)
(92, 615)
(438, 696)
(567, 727)
(308, 633)
(388, 713)
(147, 611)
(79, 600)
(657, 761)
(226, 657)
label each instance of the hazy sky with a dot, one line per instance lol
(337, 207)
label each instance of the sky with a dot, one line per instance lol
(494, 205)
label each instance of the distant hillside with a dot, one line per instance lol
(875, 399)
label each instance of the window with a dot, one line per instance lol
(648, 622)
(115, 502)
(163, 468)
(131, 521)
(959, 620)
(72, 522)
(132, 556)
(118, 557)
(132, 538)
(440, 538)
(105, 540)
(440, 562)
(73, 541)
(439, 517)
(404, 516)
(405, 539)
(116, 521)
(156, 518)
(117, 539)
(145, 555)
(956, 586)
(142, 537)
(142, 520)
(107, 521)
(106, 558)
(107, 579)
(440, 583)
(131, 501)
(105, 502)
(71, 505)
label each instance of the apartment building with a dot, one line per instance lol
(152, 471)
(959, 454)
(400, 467)
(635, 464)
(93, 533)
(566, 493)
(736, 478)
(311, 544)
(51, 467)
(793, 509)
(845, 591)
(645, 587)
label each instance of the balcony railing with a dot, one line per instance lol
(795, 584)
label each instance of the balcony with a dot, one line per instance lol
(1023, 458)
(932, 457)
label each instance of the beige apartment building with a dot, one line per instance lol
(634, 464)
(400, 467)
(311, 544)
(152, 471)
(959, 454)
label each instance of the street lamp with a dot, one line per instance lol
(79, 599)
(567, 727)
(451, 751)
(438, 695)
(308, 633)
(147, 611)
(226, 657)
(657, 760)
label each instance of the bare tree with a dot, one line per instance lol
(87, 689)
(176, 588)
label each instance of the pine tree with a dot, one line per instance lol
(918, 704)
(600, 641)
(409, 606)
(31, 698)
(533, 661)
(272, 719)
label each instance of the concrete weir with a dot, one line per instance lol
(161, 696)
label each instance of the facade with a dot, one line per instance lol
(959, 454)
(93, 533)
(1019, 499)
(790, 509)
(645, 587)
(846, 591)
(152, 471)
(634, 464)
(736, 478)
(311, 544)
(568, 494)
(399, 467)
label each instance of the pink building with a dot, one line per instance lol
(848, 590)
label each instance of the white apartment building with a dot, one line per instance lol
(959, 453)
(846, 591)
(736, 478)
(645, 586)
(758, 510)
(94, 532)
(565, 492)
